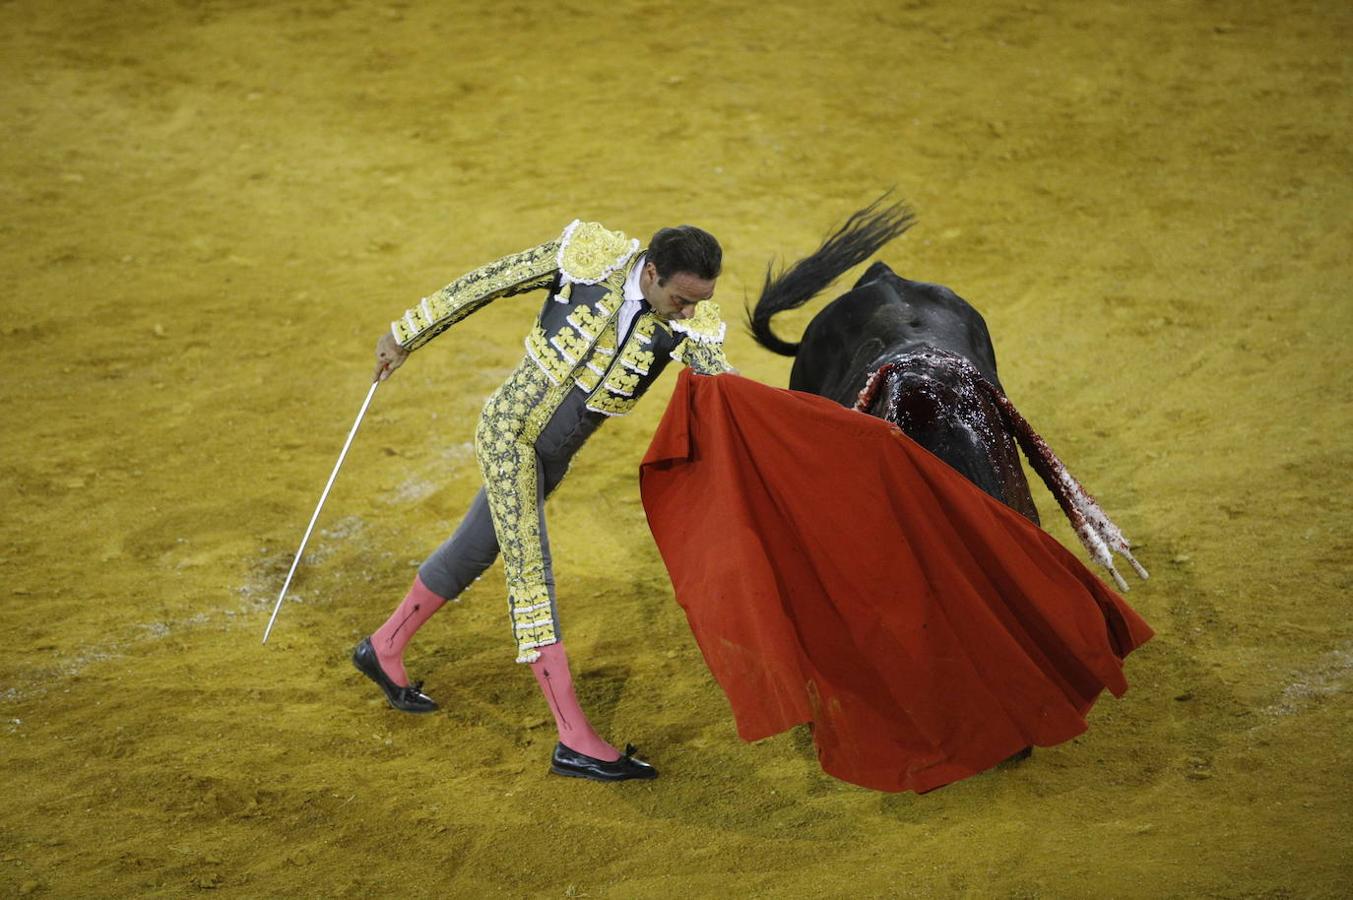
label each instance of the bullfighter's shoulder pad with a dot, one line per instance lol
(706, 326)
(589, 252)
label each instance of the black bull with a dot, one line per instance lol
(920, 356)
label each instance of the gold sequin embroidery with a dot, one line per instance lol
(622, 382)
(545, 357)
(513, 417)
(706, 326)
(570, 344)
(586, 322)
(635, 358)
(521, 272)
(704, 359)
(589, 375)
(610, 404)
(589, 252)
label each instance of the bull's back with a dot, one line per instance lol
(882, 316)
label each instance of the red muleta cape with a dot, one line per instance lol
(835, 572)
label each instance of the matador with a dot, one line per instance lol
(614, 317)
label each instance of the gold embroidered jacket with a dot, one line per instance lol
(574, 336)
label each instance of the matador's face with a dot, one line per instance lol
(676, 297)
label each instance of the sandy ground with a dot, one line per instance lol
(212, 210)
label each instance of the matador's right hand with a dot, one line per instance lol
(389, 356)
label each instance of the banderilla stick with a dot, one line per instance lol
(295, 562)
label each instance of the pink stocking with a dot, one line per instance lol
(391, 638)
(575, 732)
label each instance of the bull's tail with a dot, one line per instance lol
(854, 242)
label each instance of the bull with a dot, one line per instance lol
(920, 356)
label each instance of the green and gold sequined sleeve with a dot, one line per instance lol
(516, 274)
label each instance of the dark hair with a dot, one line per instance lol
(685, 249)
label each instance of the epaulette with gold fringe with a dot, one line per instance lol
(705, 326)
(589, 252)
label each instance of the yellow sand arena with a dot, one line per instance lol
(212, 210)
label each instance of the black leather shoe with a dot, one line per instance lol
(580, 765)
(410, 699)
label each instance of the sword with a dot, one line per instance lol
(295, 562)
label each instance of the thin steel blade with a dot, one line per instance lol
(295, 562)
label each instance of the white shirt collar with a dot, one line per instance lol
(632, 291)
